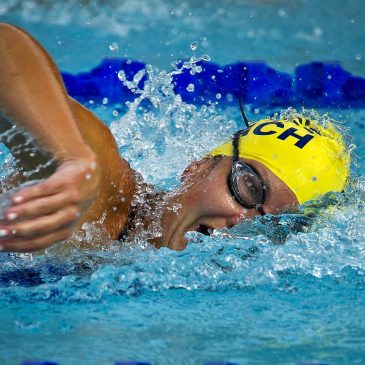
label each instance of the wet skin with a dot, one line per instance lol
(89, 182)
(207, 203)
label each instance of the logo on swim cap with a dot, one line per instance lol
(309, 158)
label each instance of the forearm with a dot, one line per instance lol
(33, 97)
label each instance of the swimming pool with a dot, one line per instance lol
(239, 295)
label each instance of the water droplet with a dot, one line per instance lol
(85, 226)
(105, 101)
(115, 113)
(282, 13)
(114, 46)
(190, 88)
(218, 96)
(121, 75)
(194, 45)
(358, 57)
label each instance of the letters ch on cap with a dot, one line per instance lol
(290, 132)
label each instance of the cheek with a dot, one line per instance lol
(216, 198)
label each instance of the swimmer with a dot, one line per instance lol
(268, 168)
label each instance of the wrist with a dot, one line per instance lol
(84, 154)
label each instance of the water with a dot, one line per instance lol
(239, 295)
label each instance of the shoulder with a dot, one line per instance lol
(99, 137)
(119, 179)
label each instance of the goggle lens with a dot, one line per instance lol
(246, 185)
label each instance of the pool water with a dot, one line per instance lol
(265, 292)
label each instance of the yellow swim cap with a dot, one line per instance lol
(309, 158)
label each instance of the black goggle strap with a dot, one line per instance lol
(243, 113)
(236, 145)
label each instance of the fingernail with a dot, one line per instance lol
(3, 232)
(11, 216)
(18, 199)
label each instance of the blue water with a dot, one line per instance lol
(262, 293)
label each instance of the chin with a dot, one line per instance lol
(178, 244)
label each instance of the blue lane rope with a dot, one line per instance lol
(317, 84)
(147, 363)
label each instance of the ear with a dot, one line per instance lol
(194, 167)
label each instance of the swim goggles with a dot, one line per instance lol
(244, 182)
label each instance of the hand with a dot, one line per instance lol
(47, 212)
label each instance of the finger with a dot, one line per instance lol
(41, 225)
(39, 206)
(45, 188)
(36, 243)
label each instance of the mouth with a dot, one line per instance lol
(203, 229)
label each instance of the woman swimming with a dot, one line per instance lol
(270, 167)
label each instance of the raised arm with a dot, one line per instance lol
(33, 97)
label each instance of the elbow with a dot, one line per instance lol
(12, 37)
(7, 30)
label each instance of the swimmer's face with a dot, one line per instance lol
(206, 202)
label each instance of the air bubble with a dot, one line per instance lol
(218, 96)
